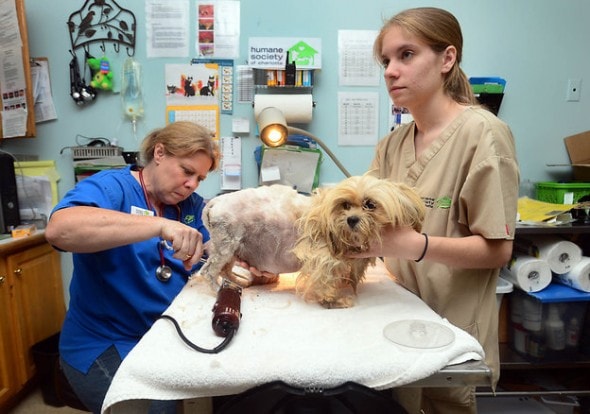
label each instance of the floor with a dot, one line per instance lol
(34, 404)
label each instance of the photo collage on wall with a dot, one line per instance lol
(206, 32)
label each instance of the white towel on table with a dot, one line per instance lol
(283, 338)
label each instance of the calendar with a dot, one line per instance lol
(205, 115)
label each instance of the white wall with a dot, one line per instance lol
(536, 45)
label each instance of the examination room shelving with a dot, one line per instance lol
(520, 377)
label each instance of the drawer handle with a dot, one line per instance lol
(18, 271)
(2, 279)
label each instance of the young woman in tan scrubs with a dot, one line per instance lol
(461, 159)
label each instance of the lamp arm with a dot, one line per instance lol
(294, 130)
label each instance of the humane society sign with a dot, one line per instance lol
(271, 52)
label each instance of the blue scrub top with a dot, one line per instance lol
(115, 296)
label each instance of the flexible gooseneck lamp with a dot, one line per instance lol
(274, 132)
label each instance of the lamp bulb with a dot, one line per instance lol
(275, 135)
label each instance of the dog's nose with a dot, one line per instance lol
(352, 221)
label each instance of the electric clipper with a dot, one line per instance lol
(226, 310)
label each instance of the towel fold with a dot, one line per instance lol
(283, 338)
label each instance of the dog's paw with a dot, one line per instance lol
(244, 278)
(263, 280)
(338, 303)
(241, 276)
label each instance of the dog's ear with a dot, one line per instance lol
(412, 205)
(372, 173)
(312, 225)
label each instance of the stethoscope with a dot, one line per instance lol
(163, 271)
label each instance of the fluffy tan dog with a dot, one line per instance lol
(274, 228)
(346, 219)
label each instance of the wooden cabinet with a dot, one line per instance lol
(32, 308)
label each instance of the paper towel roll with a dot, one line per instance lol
(578, 277)
(528, 273)
(297, 108)
(561, 255)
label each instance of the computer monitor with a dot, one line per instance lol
(9, 209)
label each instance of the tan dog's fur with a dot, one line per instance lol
(274, 228)
(346, 219)
(256, 225)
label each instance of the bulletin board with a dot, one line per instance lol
(28, 92)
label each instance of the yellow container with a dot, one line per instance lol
(23, 230)
(37, 169)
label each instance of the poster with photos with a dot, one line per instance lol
(218, 29)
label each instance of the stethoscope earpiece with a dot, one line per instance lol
(79, 91)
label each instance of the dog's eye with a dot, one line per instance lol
(369, 205)
(346, 205)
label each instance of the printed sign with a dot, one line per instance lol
(271, 52)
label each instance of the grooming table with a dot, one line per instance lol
(283, 338)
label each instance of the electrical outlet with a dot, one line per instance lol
(574, 90)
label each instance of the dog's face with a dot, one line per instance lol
(352, 214)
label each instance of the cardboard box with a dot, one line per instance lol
(578, 149)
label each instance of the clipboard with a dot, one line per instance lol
(291, 165)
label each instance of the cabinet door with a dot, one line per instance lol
(8, 385)
(38, 301)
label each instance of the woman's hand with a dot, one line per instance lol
(396, 241)
(469, 252)
(186, 241)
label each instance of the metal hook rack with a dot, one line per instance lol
(102, 21)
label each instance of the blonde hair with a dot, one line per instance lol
(439, 29)
(181, 139)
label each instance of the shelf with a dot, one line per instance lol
(579, 233)
(511, 360)
(280, 89)
(521, 377)
(573, 228)
(525, 378)
(277, 78)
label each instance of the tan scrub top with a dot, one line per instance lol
(468, 178)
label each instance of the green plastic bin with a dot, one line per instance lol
(561, 193)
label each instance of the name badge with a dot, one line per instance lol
(141, 211)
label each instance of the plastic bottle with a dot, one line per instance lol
(554, 330)
(532, 314)
(536, 344)
(527, 189)
(572, 333)
(131, 94)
